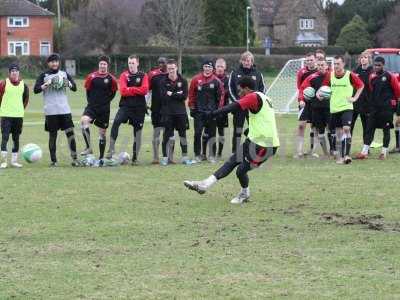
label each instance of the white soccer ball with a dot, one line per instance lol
(124, 158)
(309, 93)
(324, 92)
(31, 153)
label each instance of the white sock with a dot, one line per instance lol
(4, 154)
(365, 149)
(14, 157)
(210, 181)
(300, 144)
(246, 190)
(384, 150)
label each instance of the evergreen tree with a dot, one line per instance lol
(354, 37)
(226, 22)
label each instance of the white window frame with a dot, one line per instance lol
(40, 48)
(14, 52)
(306, 24)
(12, 20)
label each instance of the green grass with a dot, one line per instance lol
(137, 233)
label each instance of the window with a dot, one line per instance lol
(306, 24)
(18, 21)
(18, 48)
(44, 48)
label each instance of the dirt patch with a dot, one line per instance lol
(371, 222)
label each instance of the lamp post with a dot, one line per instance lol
(248, 8)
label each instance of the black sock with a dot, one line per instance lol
(102, 146)
(311, 140)
(204, 142)
(397, 133)
(86, 136)
(348, 145)
(343, 148)
(53, 146)
(71, 142)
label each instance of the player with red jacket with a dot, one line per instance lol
(383, 87)
(134, 86)
(101, 87)
(304, 106)
(206, 93)
(319, 106)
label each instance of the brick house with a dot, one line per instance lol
(290, 22)
(25, 29)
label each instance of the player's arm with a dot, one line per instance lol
(250, 102)
(358, 85)
(192, 94)
(2, 89)
(395, 87)
(298, 79)
(220, 94)
(233, 87)
(182, 94)
(40, 85)
(25, 96)
(141, 90)
(114, 87)
(305, 84)
(71, 83)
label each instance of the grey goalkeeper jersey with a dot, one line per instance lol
(55, 95)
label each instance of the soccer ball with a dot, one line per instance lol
(31, 153)
(309, 93)
(57, 82)
(124, 158)
(325, 92)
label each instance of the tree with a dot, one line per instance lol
(226, 22)
(389, 35)
(180, 21)
(104, 26)
(354, 37)
(375, 11)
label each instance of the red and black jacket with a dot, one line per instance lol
(174, 104)
(133, 89)
(384, 90)
(206, 93)
(100, 89)
(302, 74)
(156, 76)
(225, 80)
(362, 104)
(315, 80)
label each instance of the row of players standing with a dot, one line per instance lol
(210, 89)
(372, 94)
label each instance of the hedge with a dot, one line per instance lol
(31, 66)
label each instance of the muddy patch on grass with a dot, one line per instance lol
(370, 222)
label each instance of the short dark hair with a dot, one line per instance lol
(320, 51)
(133, 56)
(172, 62)
(53, 57)
(247, 82)
(339, 57)
(310, 54)
(162, 60)
(104, 58)
(379, 59)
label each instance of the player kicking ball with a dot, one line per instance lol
(101, 87)
(261, 143)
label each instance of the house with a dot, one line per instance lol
(290, 23)
(25, 29)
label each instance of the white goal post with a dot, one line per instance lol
(283, 90)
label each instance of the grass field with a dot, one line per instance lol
(313, 230)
